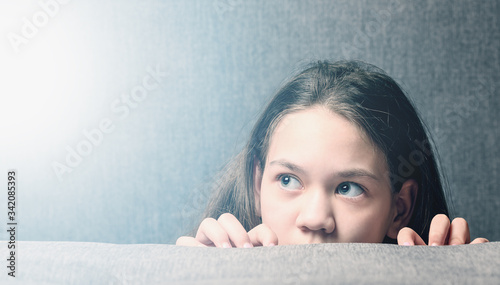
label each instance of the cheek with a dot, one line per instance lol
(277, 211)
(366, 229)
(367, 225)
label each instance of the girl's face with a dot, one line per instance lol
(324, 181)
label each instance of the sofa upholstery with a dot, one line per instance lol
(105, 263)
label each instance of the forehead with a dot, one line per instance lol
(319, 136)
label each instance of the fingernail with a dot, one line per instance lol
(406, 243)
(248, 245)
(226, 245)
(434, 244)
(270, 244)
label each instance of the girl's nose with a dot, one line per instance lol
(316, 212)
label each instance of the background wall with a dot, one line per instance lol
(118, 114)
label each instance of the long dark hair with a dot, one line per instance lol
(364, 95)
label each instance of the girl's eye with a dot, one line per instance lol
(289, 182)
(349, 189)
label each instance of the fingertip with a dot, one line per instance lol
(236, 233)
(185, 241)
(479, 240)
(441, 217)
(440, 231)
(460, 220)
(179, 240)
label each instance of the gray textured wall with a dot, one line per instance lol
(146, 180)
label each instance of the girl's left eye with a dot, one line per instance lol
(349, 189)
(288, 182)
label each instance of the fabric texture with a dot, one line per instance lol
(104, 263)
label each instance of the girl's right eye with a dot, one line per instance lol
(288, 182)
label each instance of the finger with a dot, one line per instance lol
(188, 241)
(459, 232)
(479, 240)
(263, 235)
(211, 233)
(235, 230)
(438, 233)
(408, 236)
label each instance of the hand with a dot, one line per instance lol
(441, 232)
(227, 232)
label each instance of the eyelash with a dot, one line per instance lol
(280, 176)
(357, 197)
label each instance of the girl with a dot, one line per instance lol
(339, 155)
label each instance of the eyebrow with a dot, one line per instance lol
(349, 173)
(289, 165)
(357, 173)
